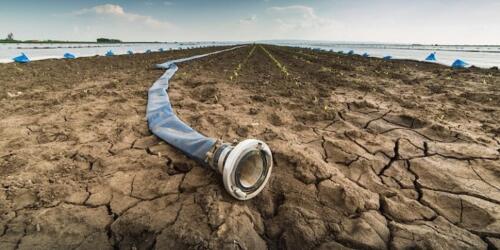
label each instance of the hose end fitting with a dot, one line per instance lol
(245, 168)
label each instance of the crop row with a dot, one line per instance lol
(276, 62)
(240, 65)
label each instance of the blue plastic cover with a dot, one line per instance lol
(148, 51)
(69, 56)
(130, 52)
(161, 50)
(431, 57)
(351, 52)
(21, 59)
(163, 122)
(110, 53)
(459, 64)
(387, 58)
(366, 55)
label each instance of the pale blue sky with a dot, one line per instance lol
(425, 21)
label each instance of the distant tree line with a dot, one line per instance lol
(107, 40)
(9, 38)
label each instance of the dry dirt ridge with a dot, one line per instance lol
(368, 153)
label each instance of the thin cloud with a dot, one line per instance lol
(168, 3)
(303, 21)
(250, 19)
(117, 11)
(305, 11)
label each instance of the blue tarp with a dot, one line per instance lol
(148, 51)
(110, 53)
(69, 56)
(459, 64)
(351, 52)
(163, 122)
(161, 50)
(431, 57)
(21, 59)
(387, 58)
(366, 55)
(130, 52)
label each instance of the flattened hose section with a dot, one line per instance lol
(163, 122)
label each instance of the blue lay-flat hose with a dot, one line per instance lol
(245, 168)
(163, 122)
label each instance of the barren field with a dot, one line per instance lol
(368, 153)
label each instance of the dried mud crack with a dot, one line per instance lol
(369, 154)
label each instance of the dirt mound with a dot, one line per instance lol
(368, 153)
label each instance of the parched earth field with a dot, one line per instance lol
(368, 154)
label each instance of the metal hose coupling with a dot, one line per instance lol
(245, 168)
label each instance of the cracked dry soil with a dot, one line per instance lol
(368, 153)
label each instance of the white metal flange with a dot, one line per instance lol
(247, 169)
